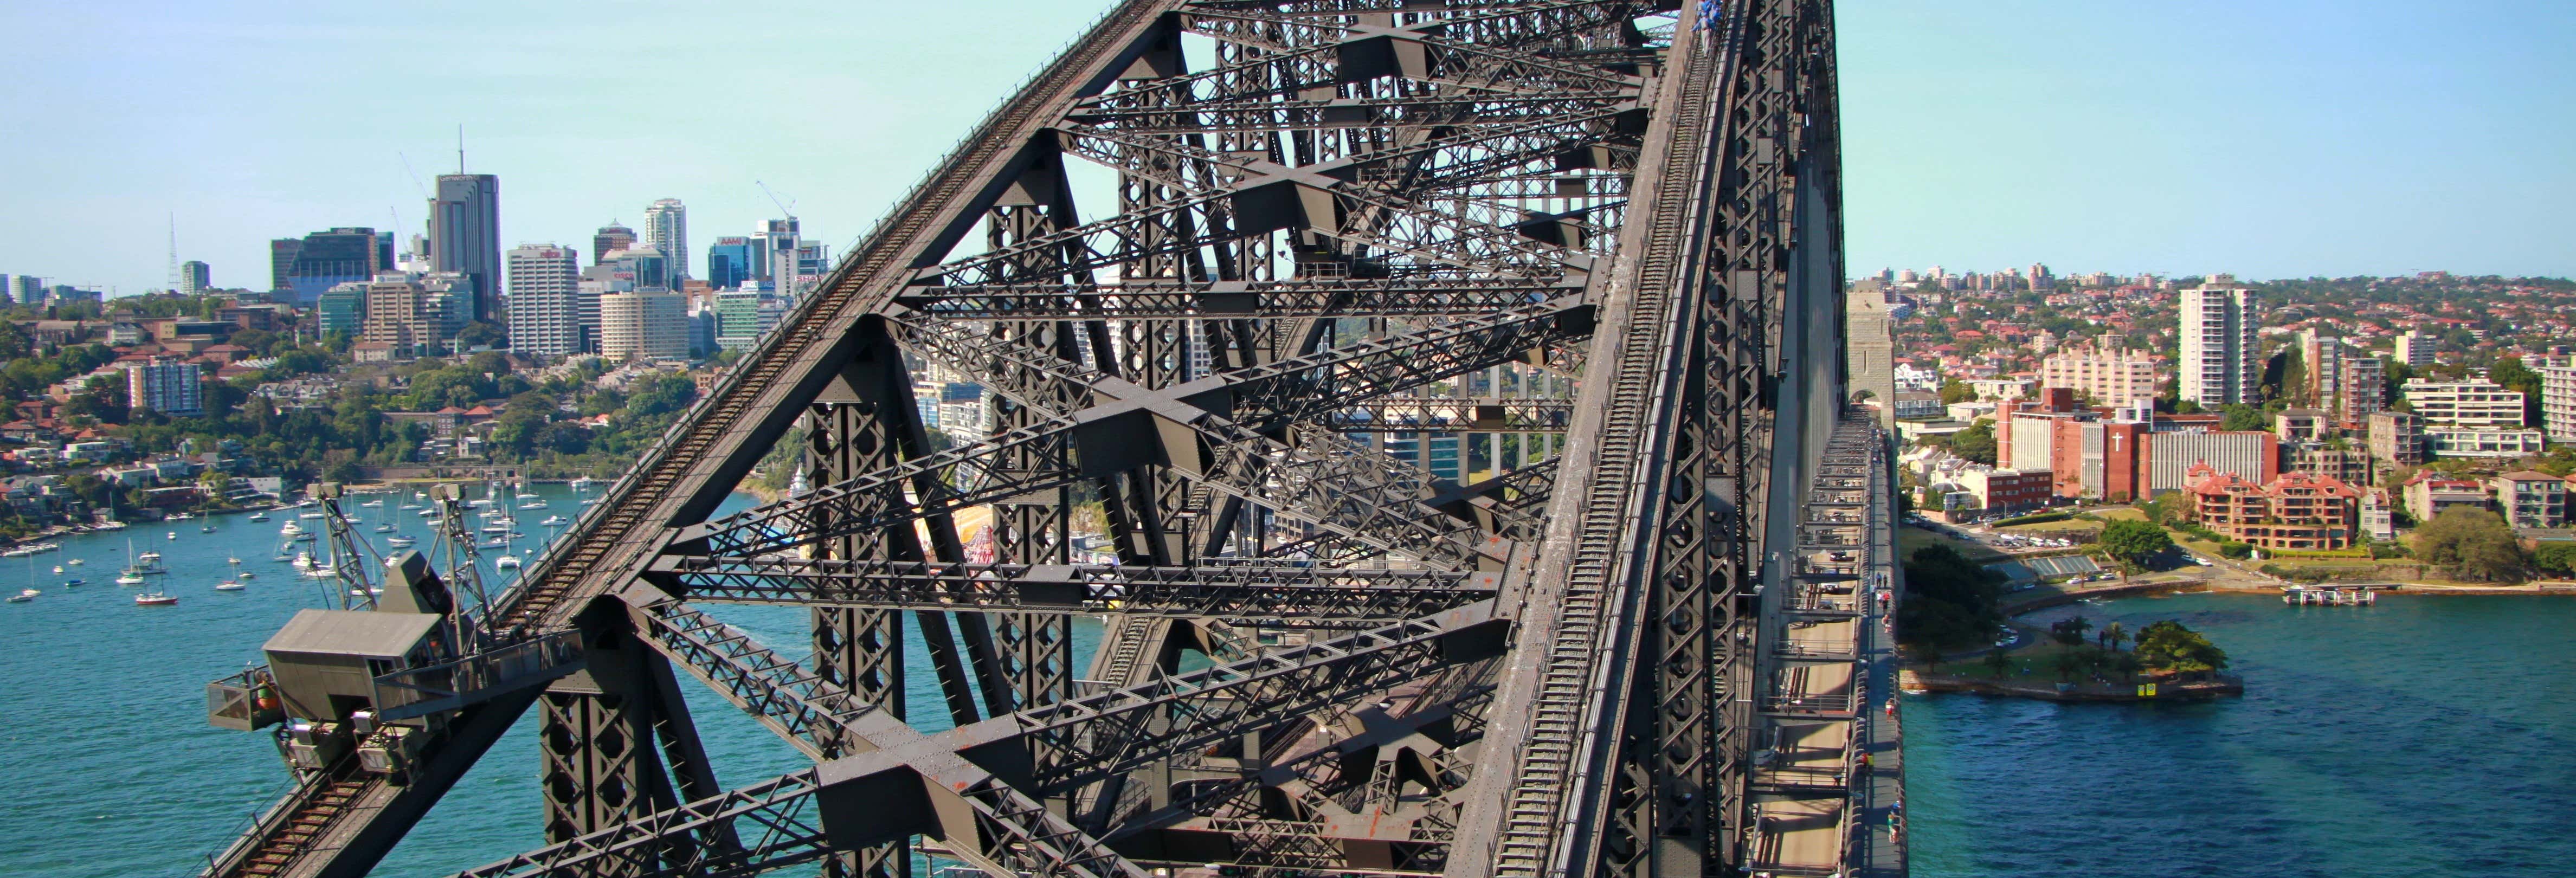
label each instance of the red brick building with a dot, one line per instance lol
(2295, 511)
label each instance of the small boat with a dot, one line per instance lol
(110, 525)
(58, 568)
(129, 579)
(290, 529)
(411, 506)
(76, 562)
(174, 534)
(399, 542)
(247, 575)
(23, 597)
(68, 583)
(505, 562)
(533, 504)
(552, 520)
(419, 495)
(156, 599)
(384, 528)
(372, 504)
(258, 516)
(310, 515)
(229, 585)
(496, 528)
(303, 561)
(207, 529)
(180, 516)
(429, 513)
(149, 558)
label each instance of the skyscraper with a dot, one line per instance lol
(734, 261)
(27, 289)
(545, 311)
(666, 228)
(612, 236)
(312, 265)
(2219, 321)
(778, 240)
(465, 237)
(195, 278)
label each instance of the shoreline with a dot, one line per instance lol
(2036, 603)
(1916, 680)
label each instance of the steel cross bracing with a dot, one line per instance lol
(1330, 218)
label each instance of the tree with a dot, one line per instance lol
(1977, 443)
(2558, 558)
(2513, 375)
(482, 333)
(2068, 662)
(2134, 541)
(2070, 631)
(1956, 391)
(2243, 417)
(2473, 544)
(2113, 634)
(1997, 663)
(1950, 601)
(2168, 646)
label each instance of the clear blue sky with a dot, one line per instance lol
(2271, 139)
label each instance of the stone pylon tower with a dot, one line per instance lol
(1870, 349)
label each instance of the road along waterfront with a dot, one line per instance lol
(2411, 738)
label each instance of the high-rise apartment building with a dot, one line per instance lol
(640, 267)
(2415, 349)
(666, 228)
(311, 265)
(2344, 381)
(643, 325)
(27, 289)
(2558, 401)
(168, 387)
(735, 261)
(2219, 365)
(2106, 370)
(545, 309)
(465, 237)
(195, 278)
(613, 236)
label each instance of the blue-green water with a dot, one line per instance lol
(2425, 736)
(2421, 737)
(107, 765)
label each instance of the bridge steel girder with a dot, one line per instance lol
(1339, 218)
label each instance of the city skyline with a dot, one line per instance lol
(2309, 152)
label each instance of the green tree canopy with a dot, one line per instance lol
(2168, 646)
(1977, 443)
(2473, 544)
(1956, 390)
(2134, 541)
(1950, 601)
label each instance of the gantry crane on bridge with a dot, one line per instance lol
(1328, 217)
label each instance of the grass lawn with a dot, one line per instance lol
(1909, 539)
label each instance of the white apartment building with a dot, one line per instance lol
(2219, 365)
(2558, 402)
(2110, 373)
(2476, 402)
(545, 308)
(2482, 442)
(171, 388)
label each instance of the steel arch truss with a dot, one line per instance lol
(1281, 365)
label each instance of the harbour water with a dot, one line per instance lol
(2419, 737)
(2422, 736)
(107, 764)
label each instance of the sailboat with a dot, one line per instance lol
(399, 542)
(131, 575)
(233, 582)
(30, 593)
